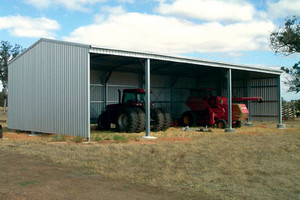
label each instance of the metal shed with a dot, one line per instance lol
(62, 87)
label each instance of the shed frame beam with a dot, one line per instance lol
(147, 105)
(248, 94)
(106, 79)
(88, 138)
(280, 125)
(173, 82)
(229, 97)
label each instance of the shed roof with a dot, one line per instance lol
(160, 58)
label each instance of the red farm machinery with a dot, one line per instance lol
(213, 110)
(129, 114)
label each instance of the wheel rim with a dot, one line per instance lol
(220, 124)
(186, 119)
(123, 121)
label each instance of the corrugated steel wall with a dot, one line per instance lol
(268, 89)
(48, 89)
(97, 94)
(258, 87)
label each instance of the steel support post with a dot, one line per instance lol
(88, 137)
(147, 106)
(229, 96)
(106, 94)
(280, 125)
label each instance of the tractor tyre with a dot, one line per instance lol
(189, 118)
(141, 120)
(158, 120)
(221, 123)
(103, 123)
(127, 120)
(167, 119)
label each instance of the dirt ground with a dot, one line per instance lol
(23, 177)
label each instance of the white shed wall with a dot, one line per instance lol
(48, 89)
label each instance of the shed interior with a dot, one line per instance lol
(171, 83)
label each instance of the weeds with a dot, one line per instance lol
(77, 139)
(58, 138)
(5, 129)
(120, 138)
(26, 183)
(98, 139)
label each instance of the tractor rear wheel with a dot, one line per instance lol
(141, 120)
(189, 118)
(221, 123)
(127, 120)
(167, 119)
(103, 123)
(158, 120)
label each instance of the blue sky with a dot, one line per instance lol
(234, 31)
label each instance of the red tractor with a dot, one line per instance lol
(129, 114)
(213, 110)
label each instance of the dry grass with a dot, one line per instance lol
(259, 162)
(3, 117)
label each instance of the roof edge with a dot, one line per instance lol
(30, 47)
(51, 41)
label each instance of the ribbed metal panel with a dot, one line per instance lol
(97, 94)
(121, 81)
(259, 87)
(180, 93)
(266, 88)
(49, 89)
(156, 56)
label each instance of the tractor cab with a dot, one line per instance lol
(135, 97)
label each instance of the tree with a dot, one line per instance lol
(297, 104)
(294, 80)
(7, 52)
(286, 41)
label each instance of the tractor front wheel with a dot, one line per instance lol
(127, 120)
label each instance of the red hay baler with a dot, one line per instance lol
(213, 110)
